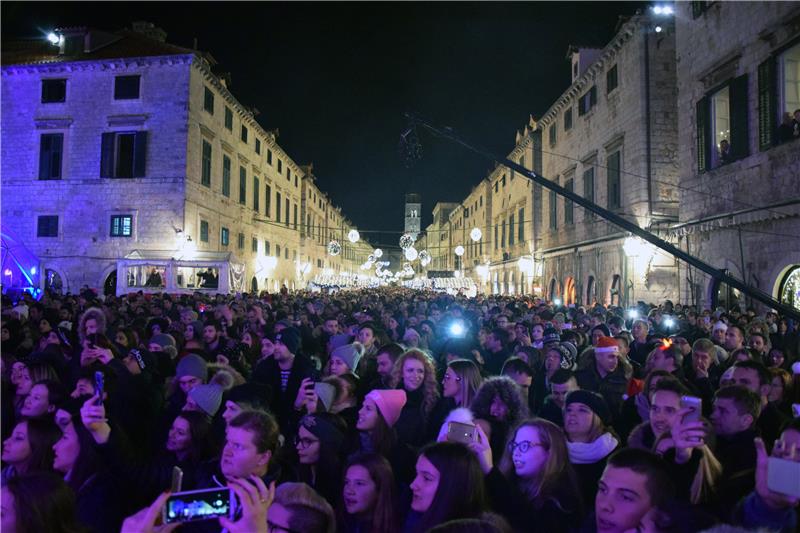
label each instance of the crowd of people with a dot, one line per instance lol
(395, 410)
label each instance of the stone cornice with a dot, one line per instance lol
(96, 64)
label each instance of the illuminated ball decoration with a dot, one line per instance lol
(378, 253)
(371, 258)
(475, 234)
(424, 258)
(353, 236)
(411, 254)
(406, 241)
(334, 248)
(459, 250)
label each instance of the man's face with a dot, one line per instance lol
(622, 500)
(240, 457)
(502, 321)
(559, 391)
(664, 407)
(91, 326)
(718, 336)
(210, 334)
(607, 362)
(701, 360)
(726, 418)
(733, 339)
(757, 343)
(639, 330)
(385, 365)
(596, 335)
(331, 327)
(492, 344)
(748, 378)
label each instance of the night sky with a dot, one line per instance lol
(335, 78)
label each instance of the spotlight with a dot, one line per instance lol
(633, 313)
(669, 322)
(557, 301)
(657, 10)
(658, 29)
(456, 329)
(53, 38)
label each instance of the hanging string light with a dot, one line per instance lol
(334, 248)
(406, 241)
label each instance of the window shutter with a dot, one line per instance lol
(739, 106)
(767, 104)
(703, 160)
(140, 154)
(107, 156)
(44, 157)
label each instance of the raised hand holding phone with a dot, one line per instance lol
(480, 447)
(93, 416)
(777, 476)
(303, 393)
(255, 500)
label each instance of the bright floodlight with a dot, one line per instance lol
(657, 10)
(33, 271)
(456, 329)
(633, 313)
(666, 10)
(669, 322)
(557, 301)
(475, 234)
(53, 38)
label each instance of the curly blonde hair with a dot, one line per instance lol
(430, 390)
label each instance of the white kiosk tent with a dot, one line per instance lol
(152, 271)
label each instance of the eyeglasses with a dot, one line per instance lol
(304, 442)
(523, 446)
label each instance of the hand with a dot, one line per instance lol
(687, 436)
(88, 356)
(93, 416)
(774, 500)
(221, 359)
(145, 520)
(482, 450)
(312, 401)
(302, 393)
(104, 355)
(524, 339)
(255, 499)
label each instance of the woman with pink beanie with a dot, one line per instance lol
(376, 419)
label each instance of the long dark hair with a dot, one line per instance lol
(385, 517)
(89, 462)
(461, 492)
(43, 502)
(383, 437)
(43, 433)
(204, 445)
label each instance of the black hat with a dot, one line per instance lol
(594, 401)
(289, 337)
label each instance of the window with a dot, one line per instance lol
(504, 180)
(588, 187)
(288, 174)
(258, 146)
(244, 133)
(568, 205)
(496, 238)
(54, 91)
(224, 236)
(242, 185)
(722, 125)
(47, 226)
(266, 248)
(228, 118)
(587, 101)
(552, 133)
(51, 146)
(521, 225)
(126, 87)
(240, 243)
(779, 97)
(286, 253)
(511, 230)
(123, 154)
(256, 193)
(278, 206)
(121, 225)
(553, 210)
(295, 217)
(267, 199)
(226, 176)
(208, 100)
(568, 119)
(254, 245)
(206, 175)
(611, 79)
(286, 213)
(203, 231)
(295, 180)
(269, 157)
(280, 166)
(496, 186)
(614, 185)
(503, 235)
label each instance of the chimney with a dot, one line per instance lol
(150, 30)
(581, 58)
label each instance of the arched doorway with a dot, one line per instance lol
(110, 284)
(569, 291)
(614, 292)
(789, 290)
(254, 285)
(591, 291)
(53, 281)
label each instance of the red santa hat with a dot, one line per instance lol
(607, 345)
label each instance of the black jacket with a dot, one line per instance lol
(612, 388)
(282, 401)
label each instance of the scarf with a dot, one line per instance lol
(582, 453)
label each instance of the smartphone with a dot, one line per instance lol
(796, 410)
(195, 505)
(177, 479)
(783, 476)
(98, 385)
(459, 432)
(91, 338)
(695, 404)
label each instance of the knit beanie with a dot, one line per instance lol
(390, 402)
(207, 397)
(568, 359)
(603, 328)
(349, 353)
(252, 392)
(607, 345)
(163, 340)
(593, 401)
(720, 325)
(290, 338)
(327, 427)
(192, 365)
(326, 393)
(550, 335)
(339, 340)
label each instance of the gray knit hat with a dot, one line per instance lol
(192, 365)
(207, 397)
(349, 353)
(326, 393)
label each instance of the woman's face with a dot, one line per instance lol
(366, 337)
(180, 436)
(37, 402)
(16, 372)
(308, 447)
(776, 357)
(44, 326)
(498, 410)
(578, 419)
(190, 333)
(413, 374)
(537, 332)
(267, 348)
(367, 416)
(121, 339)
(83, 387)
(392, 323)
(338, 366)
(360, 492)
(451, 384)
(776, 389)
(25, 383)
(66, 449)
(529, 463)
(424, 485)
(232, 410)
(17, 447)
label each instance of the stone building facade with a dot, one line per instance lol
(612, 137)
(738, 75)
(116, 142)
